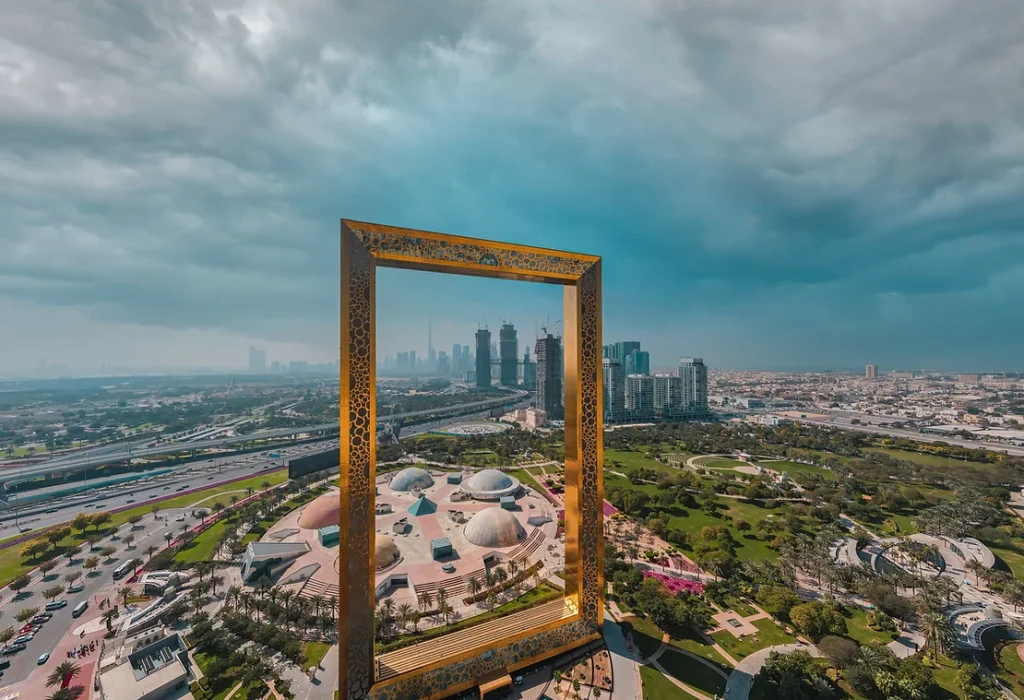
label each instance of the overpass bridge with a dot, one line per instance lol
(15, 475)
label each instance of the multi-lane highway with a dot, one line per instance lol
(94, 459)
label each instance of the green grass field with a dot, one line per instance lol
(646, 635)
(693, 673)
(202, 547)
(945, 678)
(720, 463)
(695, 644)
(658, 687)
(1010, 668)
(769, 634)
(858, 630)
(631, 461)
(313, 653)
(1014, 560)
(12, 564)
(793, 468)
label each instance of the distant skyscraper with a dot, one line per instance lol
(620, 350)
(529, 371)
(483, 358)
(467, 359)
(431, 355)
(693, 377)
(456, 360)
(549, 376)
(614, 390)
(668, 396)
(871, 371)
(638, 362)
(257, 361)
(509, 354)
(413, 366)
(443, 368)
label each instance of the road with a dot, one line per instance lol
(843, 420)
(207, 472)
(148, 532)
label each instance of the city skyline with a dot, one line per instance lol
(770, 188)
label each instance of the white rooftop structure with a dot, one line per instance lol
(490, 485)
(495, 527)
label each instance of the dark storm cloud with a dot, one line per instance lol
(856, 166)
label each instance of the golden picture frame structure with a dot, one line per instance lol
(493, 649)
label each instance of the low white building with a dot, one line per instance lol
(150, 666)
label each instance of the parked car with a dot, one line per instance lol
(14, 648)
(77, 588)
(43, 658)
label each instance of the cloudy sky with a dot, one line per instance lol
(778, 184)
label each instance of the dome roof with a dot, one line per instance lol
(385, 551)
(410, 478)
(494, 527)
(323, 512)
(489, 480)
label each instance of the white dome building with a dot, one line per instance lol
(385, 552)
(494, 527)
(412, 478)
(490, 485)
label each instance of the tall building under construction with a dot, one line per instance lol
(483, 358)
(508, 351)
(548, 352)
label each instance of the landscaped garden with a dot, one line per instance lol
(768, 635)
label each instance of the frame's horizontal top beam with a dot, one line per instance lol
(412, 249)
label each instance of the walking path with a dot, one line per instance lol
(625, 666)
(738, 686)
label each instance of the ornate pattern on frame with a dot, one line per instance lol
(366, 246)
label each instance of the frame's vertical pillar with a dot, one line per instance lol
(584, 437)
(357, 443)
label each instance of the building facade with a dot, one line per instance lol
(871, 371)
(614, 391)
(638, 362)
(483, 358)
(694, 385)
(548, 351)
(508, 352)
(529, 372)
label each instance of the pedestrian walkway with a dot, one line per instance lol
(625, 668)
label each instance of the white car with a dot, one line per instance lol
(181, 518)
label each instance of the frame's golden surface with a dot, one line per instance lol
(545, 632)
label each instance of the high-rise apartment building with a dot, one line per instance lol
(529, 371)
(456, 370)
(640, 396)
(509, 354)
(257, 361)
(467, 359)
(871, 371)
(483, 358)
(613, 390)
(637, 362)
(414, 367)
(668, 396)
(693, 377)
(549, 376)
(443, 368)
(431, 355)
(618, 351)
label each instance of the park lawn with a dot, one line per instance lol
(1009, 667)
(693, 673)
(904, 522)
(792, 468)
(12, 564)
(929, 460)
(695, 644)
(945, 677)
(858, 630)
(631, 461)
(722, 463)
(658, 687)
(1013, 559)
(741, 607)
(203, 546)
(769, 634)
(646, 635)
(313, 653)
(526, 478)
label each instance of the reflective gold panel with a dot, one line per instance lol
(460, 660)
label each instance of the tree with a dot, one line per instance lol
(842, 653)
(81, 522)
(48, 566)
(816, 620)
(777, 601)
(793, 676)
(20, 583)
(70, 578)
(63, 674)
(128, 539)
(7, 635)
(938, 632)
(124, 594)
(91, 563)
(107, 552)
(473, 585)
(109, 616)
(52, 592)
(34, 548)
(135, 520)
(26, 614)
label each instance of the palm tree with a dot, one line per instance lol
(442, 596)
(426, 600)
(333, 603)
(405, 614)
(246, 599)
(473, 585)
(63, 674)
(125, 593)
(937, 630)
(109, 616)
(72, 693)
(216, 580)
(150, 550)
(234, 592)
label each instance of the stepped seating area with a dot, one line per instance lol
(456, 586)
(314, 587)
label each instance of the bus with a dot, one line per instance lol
(80, 608)
(120, 571)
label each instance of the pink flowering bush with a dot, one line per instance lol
(674, 584)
